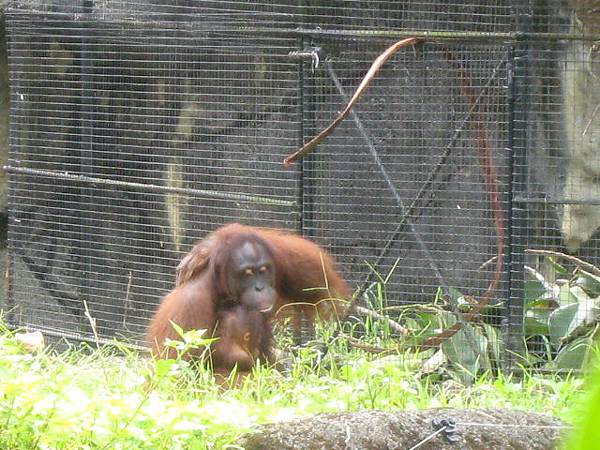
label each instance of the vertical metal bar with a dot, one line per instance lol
(308, 163)
(517, 223)
(511, 258)
(86, 160)
(14, 107)
(299, 213)
(300, 42)
(307, 128)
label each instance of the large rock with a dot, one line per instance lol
(477, 429)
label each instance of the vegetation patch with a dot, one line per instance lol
(113, 398)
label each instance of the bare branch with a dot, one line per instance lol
(393, 324)
(584, 265)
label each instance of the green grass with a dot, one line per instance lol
(107, 399)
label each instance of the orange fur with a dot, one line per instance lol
(307, 277)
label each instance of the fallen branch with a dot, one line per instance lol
(374, 315)
(368, 347)
(582, 264)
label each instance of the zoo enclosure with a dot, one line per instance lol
(139, 126)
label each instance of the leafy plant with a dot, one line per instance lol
(562, 309)
(561, 323)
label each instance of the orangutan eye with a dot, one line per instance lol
(247, 336)
(263, 269)
(248, 272)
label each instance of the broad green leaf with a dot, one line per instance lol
(177, 328)
(588, 282)
(455, 294)
(561, 322)
(533, 290)
(467, 349)
(196, 337)
(575, 354)
(494, 341)
(567, 319)
(559, 268)
(427, 324)
(444, 319)
(579, 293)
(436, 321)
(163, 366)
(565, 296)
(411, 323)
(536, 321)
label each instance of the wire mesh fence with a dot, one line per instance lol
(139, 126)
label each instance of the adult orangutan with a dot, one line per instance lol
(241, 272)
(270, 272)
(307, 279)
